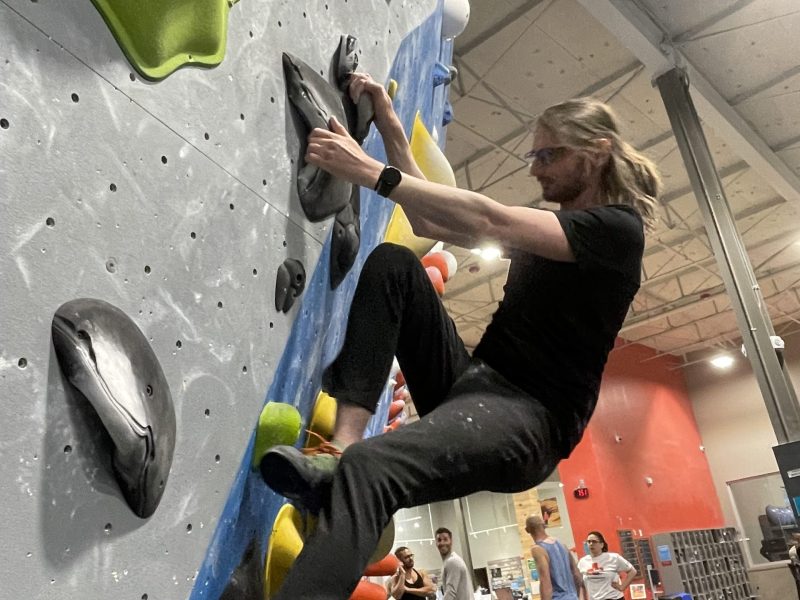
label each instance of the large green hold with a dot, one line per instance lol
(278, 425)
(160, 36)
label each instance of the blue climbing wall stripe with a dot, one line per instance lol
(318, 331)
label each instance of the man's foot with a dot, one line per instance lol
(301, 476)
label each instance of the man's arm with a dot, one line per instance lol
(395, 585)
(452, 575)
(576, 575)
(398, 150)
(542, 561)
(450, 214)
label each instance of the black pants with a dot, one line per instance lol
(477, 431)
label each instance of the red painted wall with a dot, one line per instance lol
(643, 401)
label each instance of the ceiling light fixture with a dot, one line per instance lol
(723, 361)
(488, 252)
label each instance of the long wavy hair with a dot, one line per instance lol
(629, 177)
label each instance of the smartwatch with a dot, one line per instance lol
(389, 178)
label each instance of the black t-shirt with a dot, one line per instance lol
(558, 321)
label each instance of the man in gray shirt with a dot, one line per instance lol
(456, 582)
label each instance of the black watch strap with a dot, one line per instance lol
(389, 179)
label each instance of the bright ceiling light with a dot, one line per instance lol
(723, 361)
(491, 253)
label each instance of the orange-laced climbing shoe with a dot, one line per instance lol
(303, 476)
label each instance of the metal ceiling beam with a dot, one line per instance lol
(588, 91)
(644, 37)
(512, 17)
(710, 261)
(687, 302)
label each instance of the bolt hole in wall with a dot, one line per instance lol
(4, 123)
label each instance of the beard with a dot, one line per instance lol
(565, 190)
(562, 191)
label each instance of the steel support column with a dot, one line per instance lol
(734, 265)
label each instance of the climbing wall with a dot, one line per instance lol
(176, 202)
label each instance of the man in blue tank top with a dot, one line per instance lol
(559, 578)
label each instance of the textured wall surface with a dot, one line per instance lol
(175, 202)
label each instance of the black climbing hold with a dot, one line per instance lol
(289, 284)
(316, 101)
(346, 60)
(107, 358)
(345, 239)
(361, 114)
(247, 579)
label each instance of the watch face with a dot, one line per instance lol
(391, 176)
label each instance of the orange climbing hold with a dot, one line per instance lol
(385, 566)
(366, 590)
(435, 275)
(438, 260)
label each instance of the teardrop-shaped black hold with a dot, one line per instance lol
(107, 358)
(290, 282)
(345, 239)
(315, 101)
(346, 60)
(361, 114)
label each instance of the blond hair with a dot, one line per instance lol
(629, 177)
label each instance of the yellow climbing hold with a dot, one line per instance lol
(434, 165)
(285, 543)
(323, 419)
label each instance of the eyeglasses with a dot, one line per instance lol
(407, 556)
(593, 542)
(545, 156)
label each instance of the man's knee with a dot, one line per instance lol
(387, 257)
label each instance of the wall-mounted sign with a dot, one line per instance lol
(581, 492)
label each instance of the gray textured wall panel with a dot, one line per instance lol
(188, 248)
(249, 83)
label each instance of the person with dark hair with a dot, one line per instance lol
(455, 580)
(502, 418)
(601, 570)
(559, 578)
(408, 583)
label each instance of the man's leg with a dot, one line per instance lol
(395, 311)
(487, 436)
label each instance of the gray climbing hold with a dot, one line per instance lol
(315, 101)
(345, 239)
(290, 282)
(107, 358)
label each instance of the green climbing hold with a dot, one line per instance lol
(278, 425)
(160, 36)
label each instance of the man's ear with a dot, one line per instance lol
(602, 155)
